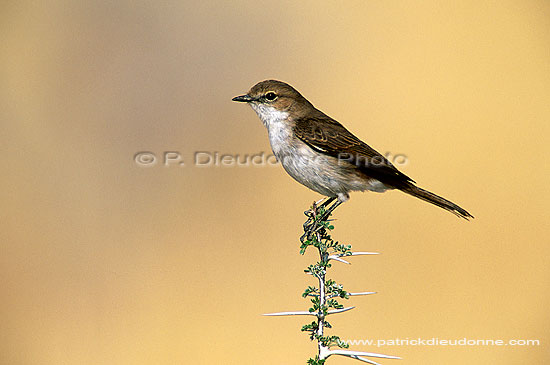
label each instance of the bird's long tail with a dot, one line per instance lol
(436, 200)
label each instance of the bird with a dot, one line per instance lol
(321, 154)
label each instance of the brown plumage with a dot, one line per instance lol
(325, 156)
(327, 136)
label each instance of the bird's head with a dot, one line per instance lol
(275, 100)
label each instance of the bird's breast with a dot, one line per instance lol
(319, 172)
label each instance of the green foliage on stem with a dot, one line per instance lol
(325, 297)
(316, 361)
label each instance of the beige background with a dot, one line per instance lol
(104, 261)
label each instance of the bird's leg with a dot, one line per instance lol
(327, 202)
(311, 212)
(312, 216)
(331, 209)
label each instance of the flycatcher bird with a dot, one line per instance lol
(322, 154)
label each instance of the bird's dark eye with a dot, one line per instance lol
(270, 96)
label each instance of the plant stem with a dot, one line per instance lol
(322, 304)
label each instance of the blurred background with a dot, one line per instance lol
(108, 258)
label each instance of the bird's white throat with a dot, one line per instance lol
(278, 128)
(268, 114)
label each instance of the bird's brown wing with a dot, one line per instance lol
(329, 137)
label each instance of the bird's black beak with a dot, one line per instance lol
(242, 98)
